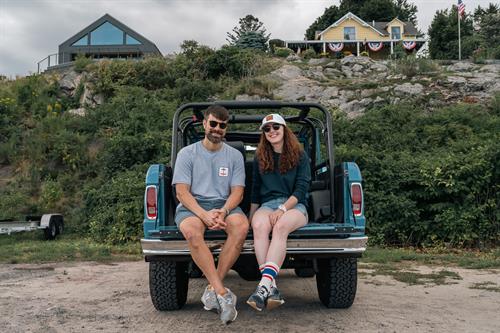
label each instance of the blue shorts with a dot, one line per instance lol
(181, 212)
(274, 203)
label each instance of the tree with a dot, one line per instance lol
(443, 34)
(368, 10)
(249, 34)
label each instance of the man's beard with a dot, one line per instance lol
(214, 139)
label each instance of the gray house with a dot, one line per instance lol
(106, 38)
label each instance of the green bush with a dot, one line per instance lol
(276, 43)
(114, 207)
(308, 54)
(283, 52)
(429, 178)
(81, 63)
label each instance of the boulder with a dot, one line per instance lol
(246, 97)
(287, 72)
(316, 73)
(317, 61)
(409, 89)
(69, 81)
(347, 71)
(293, 58)
(333, 73)
(462, 67)
(78, 112)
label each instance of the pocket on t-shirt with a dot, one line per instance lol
(223, 177)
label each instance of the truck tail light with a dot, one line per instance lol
(357, 199)
(151, 202)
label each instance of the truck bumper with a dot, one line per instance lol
(351, 245)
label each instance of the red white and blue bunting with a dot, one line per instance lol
(335, 47)
(375, 46)
(409, 45)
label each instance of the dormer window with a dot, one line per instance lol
(349, 33)
(395, 32)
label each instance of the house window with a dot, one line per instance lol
(129, 40)
(395, 32)
(349, 33)
(82, 41)
(106, 34)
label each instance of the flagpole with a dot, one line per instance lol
(459, 44)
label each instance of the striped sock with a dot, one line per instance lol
(261, 268)
(269, 272)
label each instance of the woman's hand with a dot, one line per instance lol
(275, 216)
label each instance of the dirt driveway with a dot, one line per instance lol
(90, 297)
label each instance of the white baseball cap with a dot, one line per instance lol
(272, 118)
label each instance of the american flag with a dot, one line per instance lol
(461, 8)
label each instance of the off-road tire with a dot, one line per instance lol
(168, 284)
(337, 282)
(194, 271)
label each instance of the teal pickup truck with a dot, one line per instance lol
(328, 246)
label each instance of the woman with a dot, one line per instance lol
(281, 176)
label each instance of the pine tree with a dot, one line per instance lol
(250, 33)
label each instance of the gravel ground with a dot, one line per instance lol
(90, 297)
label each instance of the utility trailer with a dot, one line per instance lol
(51, 224)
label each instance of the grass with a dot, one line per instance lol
(472, 259)
(32, 248)
(487, 285)
(410, 276)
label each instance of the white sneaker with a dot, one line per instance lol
(209, 300)
(227, 304)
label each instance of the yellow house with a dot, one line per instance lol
(350, 34)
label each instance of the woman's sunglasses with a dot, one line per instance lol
(214, 124)
(275, 127)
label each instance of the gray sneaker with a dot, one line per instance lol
(274, 300)
(227, 304)
(258, 299)
(209, 300)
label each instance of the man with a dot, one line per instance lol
(209, 179)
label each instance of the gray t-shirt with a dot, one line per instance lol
(210, 174)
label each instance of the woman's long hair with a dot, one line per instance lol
(290, 155)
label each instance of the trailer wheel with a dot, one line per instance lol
(168, 284)
(51, 231)
(60, 227)
(337, 282)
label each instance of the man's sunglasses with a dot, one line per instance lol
(214, 124)
(275, 127)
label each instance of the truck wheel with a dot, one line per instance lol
(249, 274)
(304, 272)
(51, 231)
(194, 271)
(337, 281)
(168, 284)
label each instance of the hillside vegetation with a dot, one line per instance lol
(432, 174)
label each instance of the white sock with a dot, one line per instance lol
(269, 272)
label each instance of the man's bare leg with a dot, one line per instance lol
(236, 230)
(193, 230)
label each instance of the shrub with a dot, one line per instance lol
(81, 63)
(429, 178)
(308, 54)
(364, 54)
(283, 52)
(114, 207)
(276, 43)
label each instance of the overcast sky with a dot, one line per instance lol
(32, 29)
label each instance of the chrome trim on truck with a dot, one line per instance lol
(294, 246)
